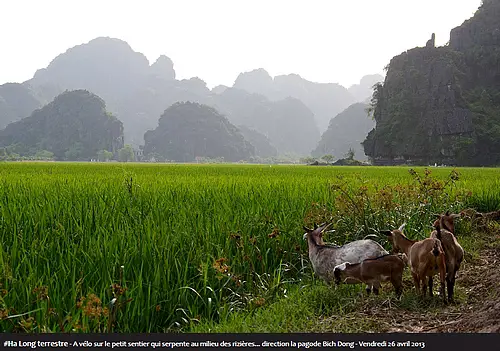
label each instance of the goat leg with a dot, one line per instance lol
(368, 289)
(442, 278)
(424, 286)
(397, 283)
(450, 285)
(430, 286)
(399, 291)
(416, 280)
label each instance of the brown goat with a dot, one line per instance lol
(373, 271)
(425, 257)
(446, 221)
(453, 252)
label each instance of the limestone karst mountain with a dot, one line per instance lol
(138, 93)
(325, 100)
(262, 144)
(442, 104)
(346, 131)
(16, 101)
(287, 123)
(75, 126)
(105, 66)
(286, 110)
(187, 131)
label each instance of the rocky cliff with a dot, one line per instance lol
(442, 104)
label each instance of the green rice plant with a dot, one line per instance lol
(153, 248)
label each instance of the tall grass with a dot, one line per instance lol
(149, 248)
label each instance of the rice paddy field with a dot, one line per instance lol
(178, 248)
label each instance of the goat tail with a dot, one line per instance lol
(435, 249)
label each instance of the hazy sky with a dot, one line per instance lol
(322, 40)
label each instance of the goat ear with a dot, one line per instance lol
(402, 227)
(315, 226)
(455, 215)
(447, 213)
(386, 232)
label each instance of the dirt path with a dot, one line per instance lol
(481, 280)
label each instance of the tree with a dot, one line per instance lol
(376, 97)
(307, 160)
(126, 154)
(104, 155)
(44, 155)
(74, 152)
(328, 158)
(350, 154)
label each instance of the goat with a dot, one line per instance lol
(373, 271)
(319, 237)
(324, 258)
(453, 252)
(425, 257)
(446, 221)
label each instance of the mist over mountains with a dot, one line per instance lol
(288, 112)
(346, 132)
(325, 100)
(435, 105)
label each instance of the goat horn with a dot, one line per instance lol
(402, 227)
(306, 229)
(325, 226)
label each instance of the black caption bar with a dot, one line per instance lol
(438, 342)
